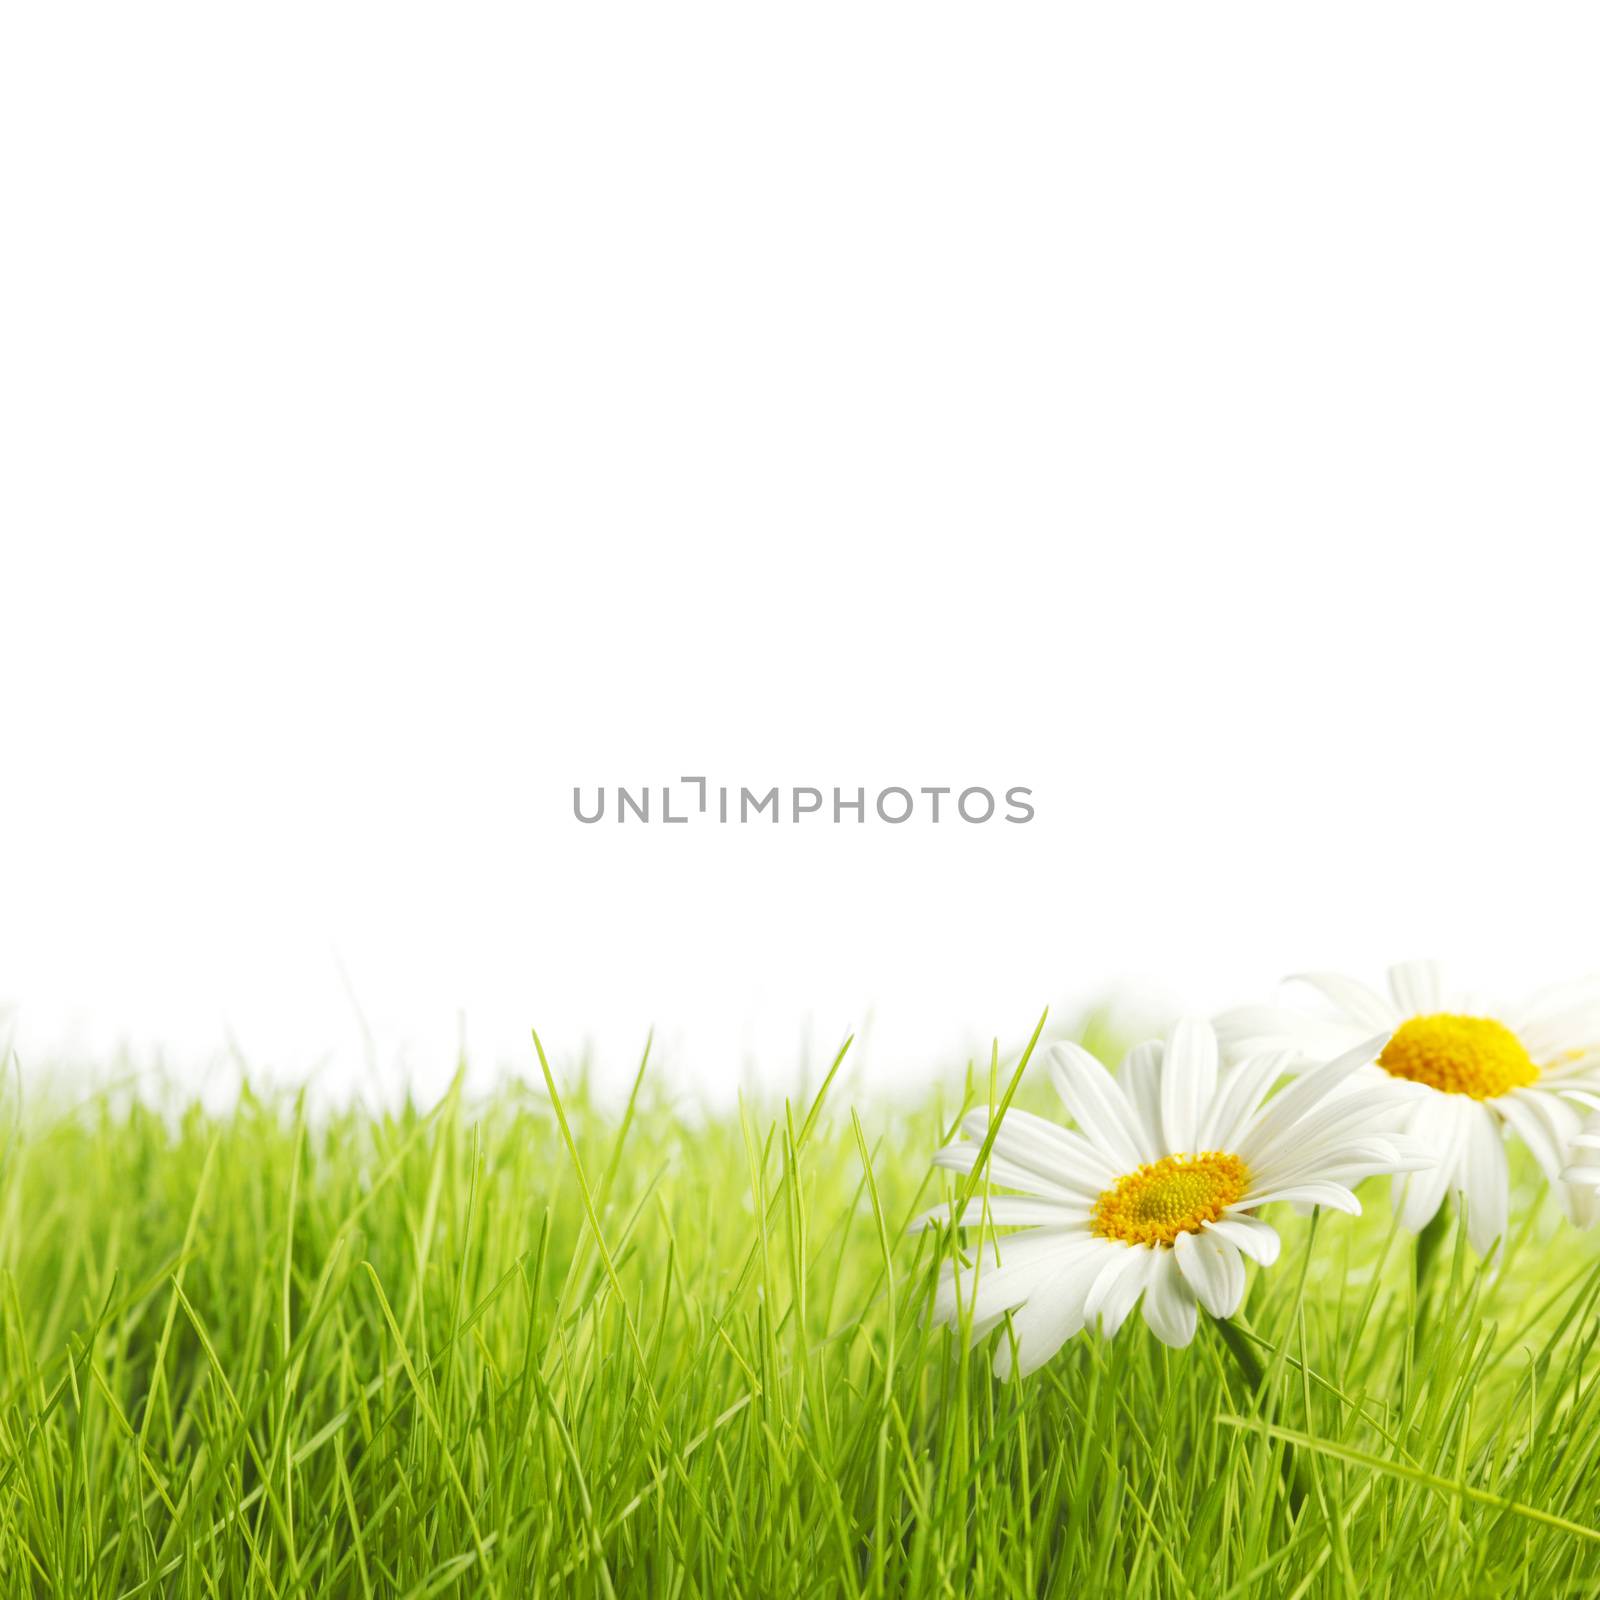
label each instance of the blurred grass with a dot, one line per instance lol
(449, 1352)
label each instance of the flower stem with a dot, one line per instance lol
(1254, 1374)
(1243, 1352)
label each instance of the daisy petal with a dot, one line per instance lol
(1255, 1238)
(1359, 1003)
(961, 1158)
(1007, 1211)
(1306, 1094)
(1169, 1306)
(1118, 1287)
(1213, 1269)
(1421, 1193)
(1558, 1023)
(1581, 1202)
(1050, 1317)
(1578, 1067)
(989, 1290)
(1543, 1122)
(1243, 1088)
(1351, 1114)
(1248, 1030)
(1140, 1077)
(1188, 1082)
(1312, 1192)
(1097, 1104)
(982, 1330)
(1337, 1158)
(1484, 1180)
(1417, 987)
(1062, 1158)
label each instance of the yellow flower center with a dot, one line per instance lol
(1177, 1194)
(1459, 1055)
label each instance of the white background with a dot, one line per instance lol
(408, 413)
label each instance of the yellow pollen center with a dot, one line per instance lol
(1177, 1194)
(1476, 1056)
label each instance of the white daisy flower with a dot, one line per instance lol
(1156, 1195)
(1460, 1074)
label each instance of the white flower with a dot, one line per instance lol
(1157, 1193)
(1460, 1074)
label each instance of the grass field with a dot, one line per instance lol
(493, 1348)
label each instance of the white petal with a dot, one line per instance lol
(988, 1289)
(1213, 1269)
(1188, 1082)
(1417, 987)
(1420, 1195)
(983, 1259)
(1053, 1313)
(1348, 1117)
(1285, 1109)
(1407, 1154)
(1365, 1008)
(1348, 1174)
(1485, 1180)
(1241, 1091)
(1007, 1211)
(1060, 1156)
(1118, 1286)
(1571, 1069)
(1169, 1305)
(1140, 1077)
(1257, 1239)
(1351, 1114)
(1588, 1135)
(1308, 1192)
(982, 1330)
(1541, 1121)
(1098, 1105)
(1581, 1202)
(961, 1158)
(1248, 1030)
(1558, 1022)
(1333, 1159)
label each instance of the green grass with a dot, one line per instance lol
(493, 1348)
